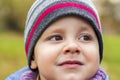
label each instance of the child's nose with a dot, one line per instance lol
(72, 48)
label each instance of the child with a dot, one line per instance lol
(63, 41)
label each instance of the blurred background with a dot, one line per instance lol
(12, 23)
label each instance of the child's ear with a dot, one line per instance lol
(33, 64)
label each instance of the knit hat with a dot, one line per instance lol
(44, 12)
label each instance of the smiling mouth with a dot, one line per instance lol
(71, 64)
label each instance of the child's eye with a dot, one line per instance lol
(85, 37)
(55, 38)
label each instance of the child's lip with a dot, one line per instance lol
(71, 64)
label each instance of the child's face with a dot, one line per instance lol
(67, 50)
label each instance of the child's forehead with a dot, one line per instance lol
(70, 17)
(66, 22)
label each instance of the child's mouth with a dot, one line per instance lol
(71, 64)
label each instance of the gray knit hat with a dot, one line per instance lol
(44, 12)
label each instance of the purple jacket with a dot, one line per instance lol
(26, 74)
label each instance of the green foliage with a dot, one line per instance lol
(13, 13)
(112, 48)
(111, 56)
(12, 55)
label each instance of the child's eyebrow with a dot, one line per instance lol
(85, 28)
(57, 30)
(61, 30)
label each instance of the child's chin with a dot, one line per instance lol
(72, 77)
